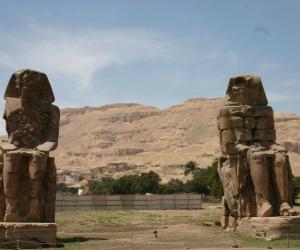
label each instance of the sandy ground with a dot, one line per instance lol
(134, 229)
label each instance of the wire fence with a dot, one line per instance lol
(184, 241)
(23, 238)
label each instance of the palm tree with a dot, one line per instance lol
(190, 168)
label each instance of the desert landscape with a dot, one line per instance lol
(118, 139)
(150, 125)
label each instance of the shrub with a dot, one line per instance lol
(172, 187)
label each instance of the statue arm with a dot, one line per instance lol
(47, 146)
(53, 132)
(7, 146)
(241, 148)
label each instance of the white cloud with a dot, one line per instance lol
(75, 56)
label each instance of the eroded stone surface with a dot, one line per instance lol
(254, 169)
(28, 174)
(28, 235)
(270, 228)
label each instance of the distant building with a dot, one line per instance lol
(80, 191)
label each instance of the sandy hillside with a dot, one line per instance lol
(120, 139)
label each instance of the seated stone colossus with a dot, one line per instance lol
(254, 169)
(28, 174)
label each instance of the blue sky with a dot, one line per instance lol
(155, 52)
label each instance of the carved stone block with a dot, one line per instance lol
(224, 123)
(264, 135)
(243, 134)
(266, 122)
(250, 122)
(237, 121)
(228, 136)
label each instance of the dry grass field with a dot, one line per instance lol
(134, 229)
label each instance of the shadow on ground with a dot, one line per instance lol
(75, 239)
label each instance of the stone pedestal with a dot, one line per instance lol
(270, 228)
(27, 235)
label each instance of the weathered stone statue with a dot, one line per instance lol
(28, 174)
(254, 169)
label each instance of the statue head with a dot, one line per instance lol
(32, 87)
(246, 90)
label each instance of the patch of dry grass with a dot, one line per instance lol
(133, 229)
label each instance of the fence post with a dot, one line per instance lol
(201, 200)
(288, 240)
(147, 201)
(174, 200)
(93, 202)
(132, 245)
(77, 202)
(121, 201)
(63, 203)
(105, 202)
(18, 243)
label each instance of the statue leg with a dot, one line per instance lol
(261, 180)
(37, 167)
(11, 179)
(49, 215)
(2, 196)
(282, 171)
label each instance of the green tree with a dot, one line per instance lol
(127, 184)
(102, 187)
(296, 187)
(215, 184)
(198, 184)
(173, 186)
(205, 181)
(148, 183)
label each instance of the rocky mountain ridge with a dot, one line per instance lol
(119, 139)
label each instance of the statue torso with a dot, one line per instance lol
(26, 127)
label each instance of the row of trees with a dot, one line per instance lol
(204, 181)
(296, 187)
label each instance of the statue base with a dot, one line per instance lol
(270, 228)
(27, 235)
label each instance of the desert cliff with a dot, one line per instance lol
(119, 139)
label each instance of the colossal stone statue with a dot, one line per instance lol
(28, 174)
(254, 169)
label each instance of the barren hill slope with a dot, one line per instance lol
(120, 139)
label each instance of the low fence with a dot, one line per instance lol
(94, 202)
